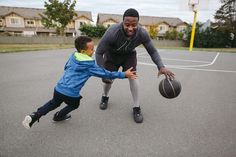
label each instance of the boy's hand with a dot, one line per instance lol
(130, 74)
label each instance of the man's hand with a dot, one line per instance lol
(168, 74)
(130, 74)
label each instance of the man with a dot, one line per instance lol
(117, 49)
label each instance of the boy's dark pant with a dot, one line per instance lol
(58, 98)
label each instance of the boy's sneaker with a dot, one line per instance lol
(138, 117)
(29, 120)
(104, 102)
(56, 118)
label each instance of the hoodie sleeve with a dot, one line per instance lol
(97, 71)
(152, 51)
(103, 46)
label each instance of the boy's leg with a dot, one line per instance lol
(43, 110)
(51, 105)
(72, 104)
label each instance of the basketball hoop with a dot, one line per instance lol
(193, 5)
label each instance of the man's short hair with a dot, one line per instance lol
(81, 42)
(131, 12)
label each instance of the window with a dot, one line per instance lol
(30, 22)
(82, 23)
(1, 22)
(181, 29)
(162, 28)
(15, 21)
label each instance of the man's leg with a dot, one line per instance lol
(134, 88)
(105, 96)
(106, 87)
(107, 83)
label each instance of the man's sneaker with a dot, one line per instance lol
(29, 120)
(56, 118)
(138, 117)
(104, 102)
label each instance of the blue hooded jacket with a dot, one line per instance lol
(78, 69)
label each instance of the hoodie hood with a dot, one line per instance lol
(80, 61)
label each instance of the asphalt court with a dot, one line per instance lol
(199, 122)
(204, 61)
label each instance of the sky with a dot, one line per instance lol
(160, 8)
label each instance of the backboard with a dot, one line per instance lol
(193, 4)
(190, 5)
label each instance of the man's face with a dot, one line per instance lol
(130, 25)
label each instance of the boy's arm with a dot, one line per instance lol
(103, 73)
(97, 71)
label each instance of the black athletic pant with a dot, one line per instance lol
(58, 98)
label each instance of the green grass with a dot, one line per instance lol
(6, 48)
(232, 50)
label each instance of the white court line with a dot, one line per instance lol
(182, 60)
(139, 54)
(201, 65)
(184, 68)
(192, 67)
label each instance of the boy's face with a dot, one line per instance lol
(130, 25)
(90, 48)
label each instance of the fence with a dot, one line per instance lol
(70, 40)
(35, 40)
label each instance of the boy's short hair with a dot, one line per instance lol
(81, 42)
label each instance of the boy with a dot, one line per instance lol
(78, 69)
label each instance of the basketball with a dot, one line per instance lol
(169, 88)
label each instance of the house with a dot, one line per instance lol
(27, 22)
(162, 24)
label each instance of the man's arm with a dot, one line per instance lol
(152, 51)
(103, 47)
(156, 58)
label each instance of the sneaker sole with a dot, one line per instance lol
(54, 121)
(26, 122)
(104, 107)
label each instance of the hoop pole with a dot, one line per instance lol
(193, 31)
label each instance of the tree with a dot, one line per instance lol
(209, 38)
(225, 18)
(58, 14)
(173, 35)
(153, 31)
(93, 31)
